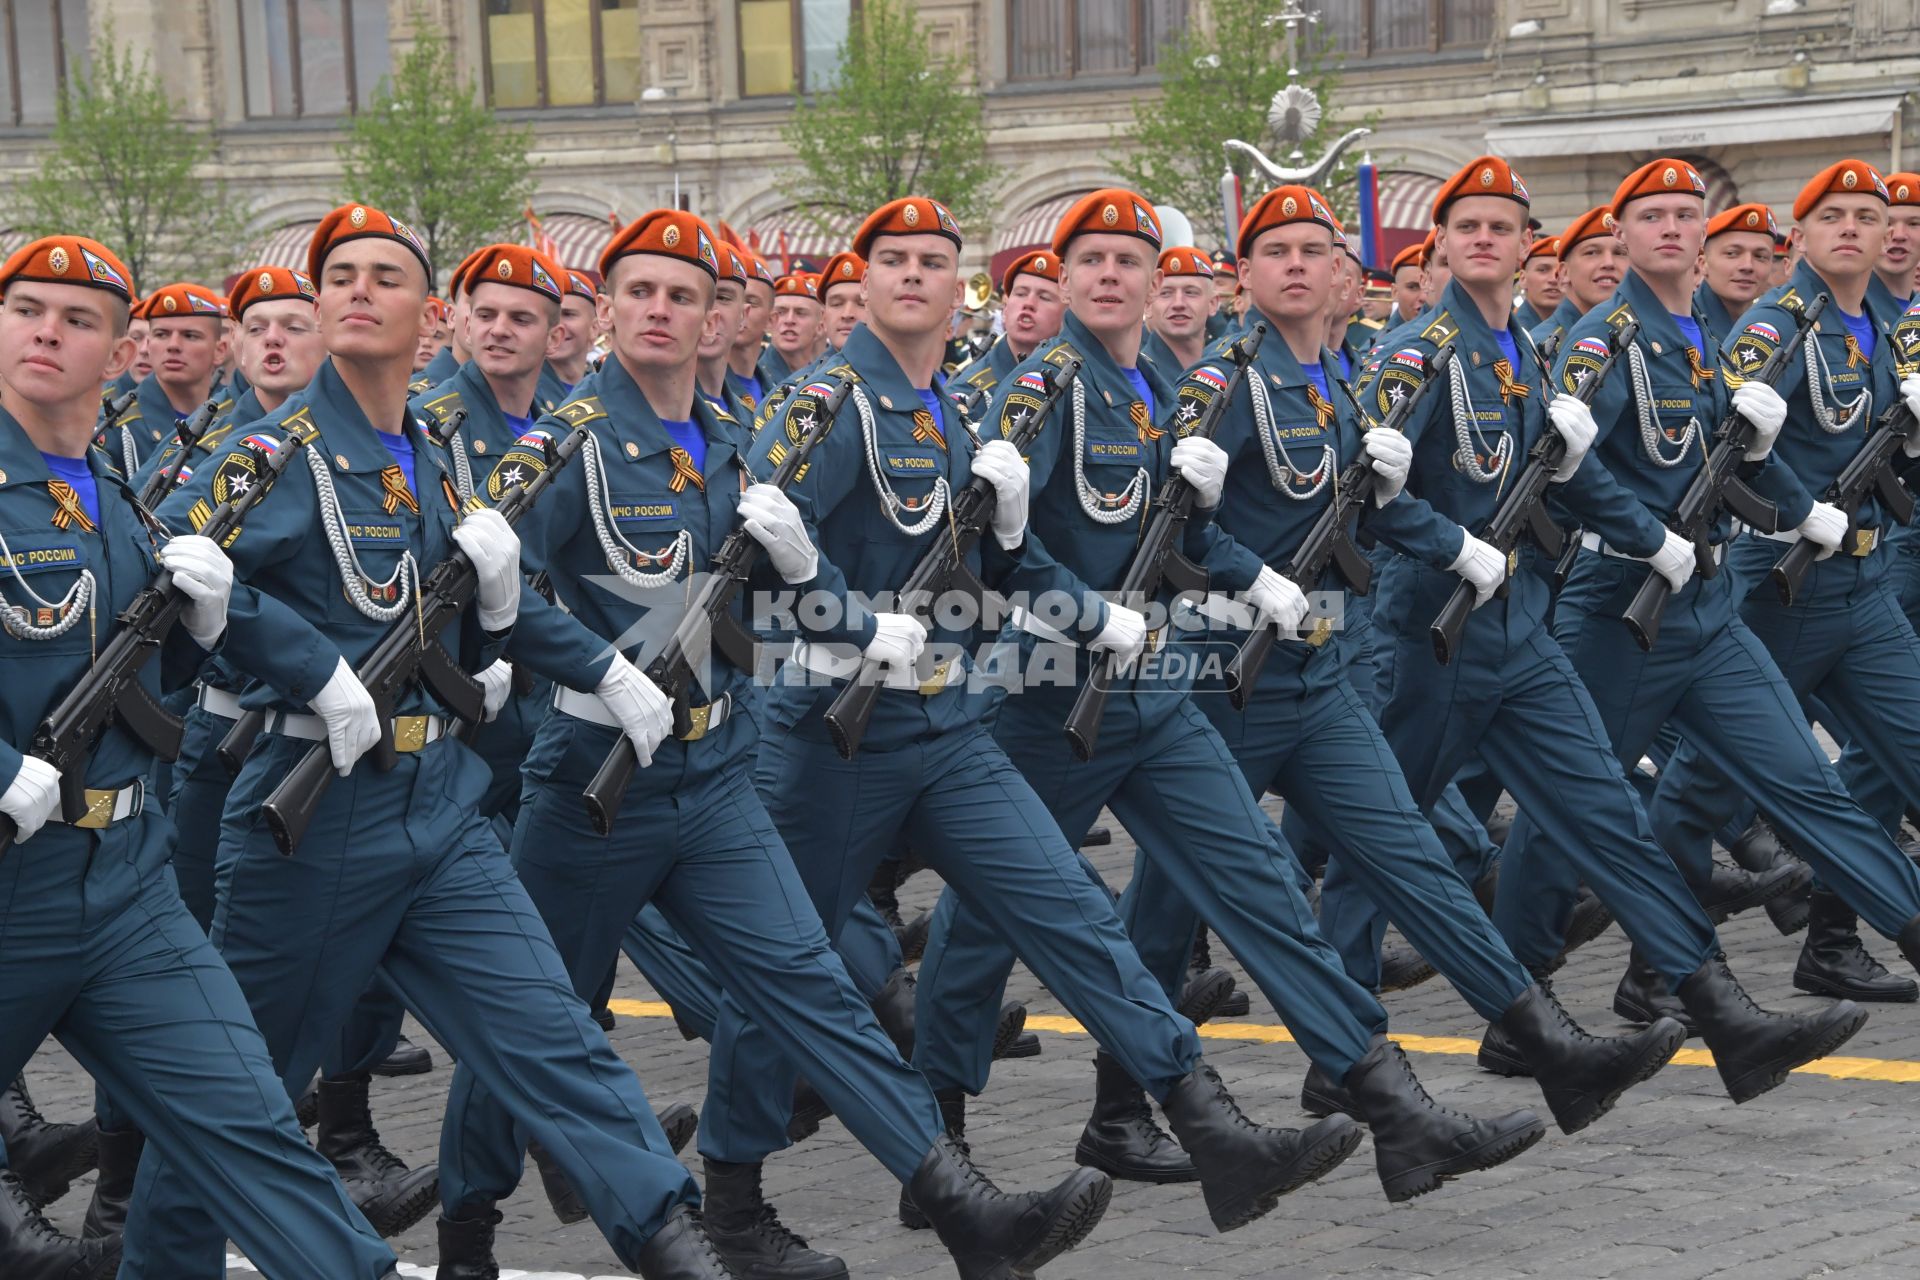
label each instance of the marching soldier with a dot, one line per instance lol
(1435, 275)
(1032, 306)
(454, 314)
(1409, 270)
(141, 366)
(1893, 275)
(187, 343)
(794, 337)
(1178, 312)
(1739, 264)
(843, 297)
(1591, 264)
(1226, 291)
(716, 344)
(1540, 287)
(432, 340)
(572, 340)
(743, 362)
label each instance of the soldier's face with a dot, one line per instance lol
(1225, 280)
(142, 362)
(457, 328)
(1032, 312)
(1540, 283)
(1433, 281)
(659, 307)
(723, 321)
(1662, 234)
(1740, 265)
(1595, 267)
(573, 336)
(796, 324)
(1843, 235)
(1901, 253)
(186, 350)
(846, 307)
(1483, 240)
(280, 348)
(373, 301)
(913, 284)
(1406, 290)
(1181, 306)
(57, 343)
(756, 316)
(1289, 270)
(1108, 279)
(509, 328)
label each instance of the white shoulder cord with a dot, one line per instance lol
(1649, 420)
(406, 575)
(1467, 433)
(1822, 411)
(129, 458)
(1110, 509)
(891, 503)
(1283, 473)
(622, 556)
(462, 469)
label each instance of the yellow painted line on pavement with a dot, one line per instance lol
(1883, 1070)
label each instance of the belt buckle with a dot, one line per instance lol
(99, 812)
(1864, 541)
(1322, 632)
(409, 733)
(937, 681)
(701, 718)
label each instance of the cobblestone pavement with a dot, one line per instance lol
(1817, 1178)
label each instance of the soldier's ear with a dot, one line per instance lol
(120, 357)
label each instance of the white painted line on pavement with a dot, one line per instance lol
(236, 1263)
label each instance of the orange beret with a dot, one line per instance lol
(1661, 177)
(758, 269)
(1543, 247)
(1042, 264)
(1114, 211)
(185, 299)
(801, 284)
(842, 268)
(581, 285)
(1903, 188)
(665, 233)
(1414, 255)
(1849, 177)
(1594, 222)
(1756, 218)
(1426, 247)
(271, 284)
(517, 265)
(1487, 176)
(355, 222)
(907, 216)
(733, 265)
(1185, 260)
(69, 260)
(1279, 207)
(456, 283)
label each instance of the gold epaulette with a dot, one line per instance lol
(1441, 330)
(582, 411)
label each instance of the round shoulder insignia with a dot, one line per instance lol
(168, 304)
(911, 215)
(266, 282)
(357, 217)
(671, 236)
(504, 270)
(479, 446)
(57, 259)
(1289, 207)
(1671, 177)
(1849, 179)
(633, 450)
(1486, 177)
(1110, 216)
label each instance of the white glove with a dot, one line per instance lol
(353, 726)
(1278, 599)
(1574, 421)
(1675, 560)
(496, 683)
(897, 641)
(1000, 465)
(1203, 464)
(31, 797)
(494, 548)
(1125, 634)
(1762, 406)
(1825, 527)
(1390, 454)
(1481, 564)
(205, 577)
(637, 703)
(771, 519)
(1910, 392)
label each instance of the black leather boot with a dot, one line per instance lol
(307, 1106)
(466, 1245)
(748, 1234)
(1753, 1048)
(998, 1235)
(810, 1110)
(1833, 962)
(953, 1119)
(1402, 968)
(1322, 1095)
(407, 1059)
(1096, 837)
(45, 1157)
(119, 1162)
(1236, 1005)
(913, 937)
(1245, 1167)
(680, 1250)
(1011, 1039)
(1790, 912)
(1121, 1138)
(1419, 1144)
(1759, 847)
(392, 1196)
(1582, 1075)
(1642, 996)
(679, 1121)
(1909, 942)
(1732, 890)
(30, 1249)
(1588, 920)
(893, 1009)
(1205, 992)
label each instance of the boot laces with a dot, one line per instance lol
(384, 1163)
(32, 1219)
(975, 1177)
(29, 1113)
(1565, 1020)
(1856, 950)
(708, 1252)
(1420, 1090)
(780, 1238)
(1235, 1115)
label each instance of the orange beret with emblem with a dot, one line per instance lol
(733, 265)
(1280, 207)
(69, 260)
(1185, 260)
(581, 285)
(1847, 178)
(1903, 188)
(758, 269)
(1114, 211)
(516, 265)
(1414, 255)
(185, 299)
(1041, 263)
(1756, 218)
(1594, 222)
(844, 267)
(359, 222)
(457, 282)
(1663, 177)
(664, 233)
(1487, 176)
(1543, 247)
(270, 284)
(801, 284)
(907, 216)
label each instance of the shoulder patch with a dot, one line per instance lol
(578, 412)
(1025, 395)
(523, 460)
(1621, 316)
(1752, 347)
(1441, 330)
(806, 407)
(1906, 341)
(1583, 360)
(1061, 353)
(444, 407)
(1400, 375)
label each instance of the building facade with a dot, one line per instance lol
(632, 101)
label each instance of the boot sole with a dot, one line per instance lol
(1598, 923)
(1814, 985)
(1319, 1104)
(1090, 1157)
(1012, 1022)
(1025, 1045)
(1071, 1223)
(1771, 1076)
(680, 1122)
(1657, 1054)
(1412, 1183)
(1202, 1001)
(1501, 1065)
(418, 1068)
(1789, 878)
(1410, 977)
(396, 1216)
(1311, 1164)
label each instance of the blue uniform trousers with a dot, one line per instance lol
(1878, 793)
(1716, 683)
(97, 950)
(1205, 847)
(705, 852)
(964, 808)
(400, 870)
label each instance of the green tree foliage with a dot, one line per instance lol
(428, 152)
(895, 121)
